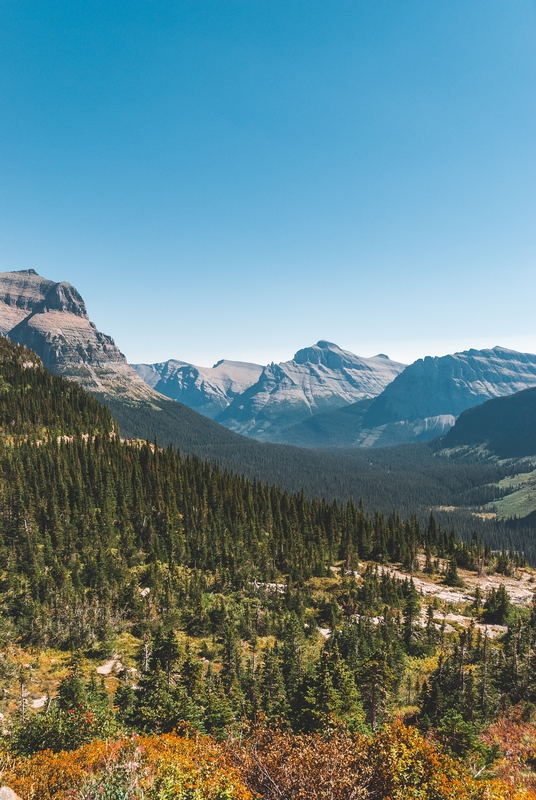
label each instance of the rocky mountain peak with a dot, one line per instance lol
(208, 390)
(51, 319)
(64, 297)
(318, 378)
(318, 353)
(21, 293)
(329, 355)
(425, 400)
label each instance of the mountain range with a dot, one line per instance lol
(263, 402)
(51, 318)
(424, 400)
(325, 396)
(329, 397)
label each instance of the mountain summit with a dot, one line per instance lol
(318, 378)
(208, 390)
(51, 318)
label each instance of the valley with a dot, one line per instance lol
(267, 400)
(237, 593)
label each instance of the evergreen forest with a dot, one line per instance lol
(256, 641)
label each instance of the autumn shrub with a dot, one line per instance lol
(514, 736)
(280, 765)
(405, 766)
(153, 768)
(395, 764)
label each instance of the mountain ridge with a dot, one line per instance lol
(261, 402)
(420, 402)
(73, 348)
(51, 319)
(424, 400)
(319, 377)
(504, 427)
(208, 390)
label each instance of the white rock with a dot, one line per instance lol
(8, 794)
(109, 666)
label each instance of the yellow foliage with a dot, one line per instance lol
(157, 768)
(395, 764)
(407, 767)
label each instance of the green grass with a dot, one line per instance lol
(521, 499)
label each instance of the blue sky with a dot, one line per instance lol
(240, 178)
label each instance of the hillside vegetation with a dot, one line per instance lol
(35, 403)
(504, 427)
(409, 478)
(203, 624)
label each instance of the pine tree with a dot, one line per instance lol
(376, 679)
(273, 696)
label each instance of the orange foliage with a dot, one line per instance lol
(151, 767)
(396, 764)
(283, 765)
(516, 740)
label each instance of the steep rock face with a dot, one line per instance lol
(51, 318)
(20, 294)
(425, 400)
(208, 390)
(318, 378)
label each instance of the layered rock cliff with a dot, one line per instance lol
(51, 318)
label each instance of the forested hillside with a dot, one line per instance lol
(34, 403)
(409, 478)
(504, 427)
(218, 603)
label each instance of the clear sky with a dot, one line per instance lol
(240, 178)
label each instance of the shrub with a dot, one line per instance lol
(155, 768)
(396, 763)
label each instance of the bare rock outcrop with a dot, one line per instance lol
(51, 318)
(8, 794)
(208, 390)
